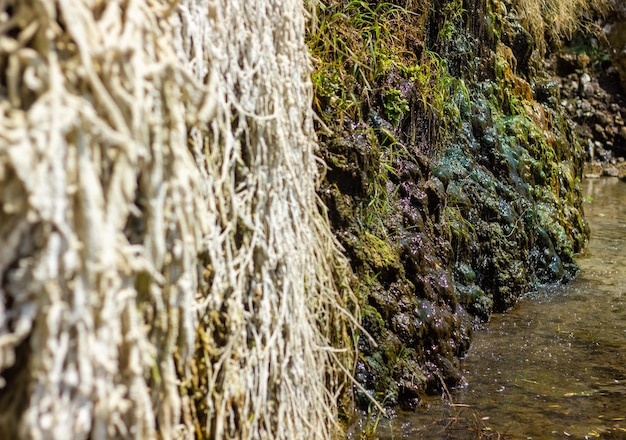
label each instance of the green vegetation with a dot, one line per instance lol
(364, 50)
(352, 44)
(452, 15)
(395, 105)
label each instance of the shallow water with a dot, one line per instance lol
(555, 365)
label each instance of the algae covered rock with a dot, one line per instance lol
(453, 178)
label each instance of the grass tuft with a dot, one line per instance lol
(551, 21)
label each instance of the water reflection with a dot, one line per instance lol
(555, 365)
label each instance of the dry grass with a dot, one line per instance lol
(550, 21)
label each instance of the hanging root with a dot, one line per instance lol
(165, 269)
(277, 280)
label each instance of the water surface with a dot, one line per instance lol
(555, 365)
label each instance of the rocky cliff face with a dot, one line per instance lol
(591, 94)
(615, 29)
(453, 176)
(589, 71)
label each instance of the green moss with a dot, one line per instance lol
(373, 320)
(378, 254)
(395, 105)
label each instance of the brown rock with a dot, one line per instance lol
(616, 35)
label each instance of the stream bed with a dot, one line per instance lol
(555, 365)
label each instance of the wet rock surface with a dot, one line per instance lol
(417, 329)
(454, 190)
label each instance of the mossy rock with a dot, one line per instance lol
(378, 254)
